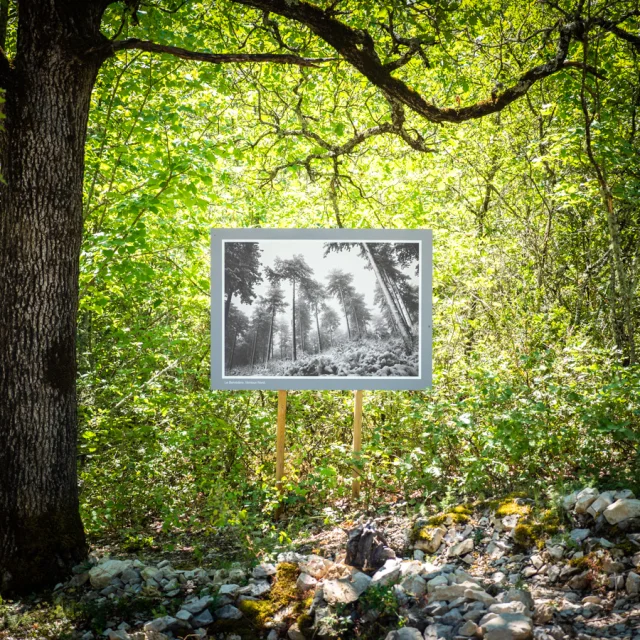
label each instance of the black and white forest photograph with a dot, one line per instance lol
(315, 308)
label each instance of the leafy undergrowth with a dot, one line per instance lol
(367, 357)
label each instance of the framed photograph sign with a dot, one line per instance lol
(320, 309)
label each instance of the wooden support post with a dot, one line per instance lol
(357, 440)
(282, 415)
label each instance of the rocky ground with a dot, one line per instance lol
(494, 570)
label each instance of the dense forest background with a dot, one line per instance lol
(535, 217)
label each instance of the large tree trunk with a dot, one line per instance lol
(318, 330)
(293, 318)
(227, 306)
(233, 350)
(355, 316)
(48, 94)
(346, 316)
(253, 351)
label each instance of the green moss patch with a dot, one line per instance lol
(259, 612)
(458, 515)
(420, 531)
(534, 529)
(512, 507)
(590, 562)
(284, 591)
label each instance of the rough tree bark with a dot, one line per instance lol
(48, 92)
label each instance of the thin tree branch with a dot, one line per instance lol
(333, 151)
(575, 64)
(215, 58)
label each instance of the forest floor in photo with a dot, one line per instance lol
(366, 357)
(509, 568)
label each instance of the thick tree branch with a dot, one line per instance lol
(357, 47)
(216, 58)
(613, 27)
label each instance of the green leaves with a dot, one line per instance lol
(526, 386)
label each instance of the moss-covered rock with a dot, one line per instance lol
(259, 612)
(458, 515)
(512, 507)
(284, 590)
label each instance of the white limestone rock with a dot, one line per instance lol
(453, 591)
(346, 590)
(388, 574)
(432, 544)
(505, 626)
(468, 629)
(406, 633)
(462, 548)
(600, 504)
(414, 585)
(632, 584)
(160, 624)
(228, 612)
(568, 502)
(508, 607)
(518, 595)
(622, 510)
(229, 590)
(198, 604)
(305, 582)
(438, 581)
(579, 535)
(102, 575)
(585, 498)
(203, 619)
(479, 595)
(264, 570)
(316, 566)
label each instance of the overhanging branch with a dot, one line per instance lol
(215, 58)
(356, 47)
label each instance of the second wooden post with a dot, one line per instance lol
(357, 440)
(280, 433)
